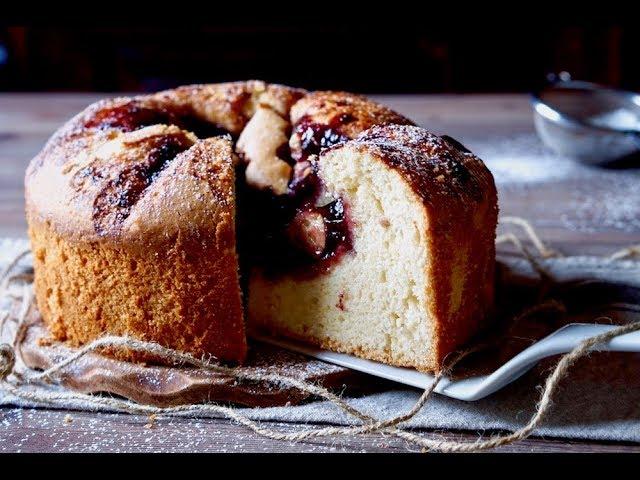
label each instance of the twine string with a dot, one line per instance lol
(631, 251)
(4, 276)
(543, 407)
(29, 384)
(7, 360)
(545, 252)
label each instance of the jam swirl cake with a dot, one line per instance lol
(345, 225)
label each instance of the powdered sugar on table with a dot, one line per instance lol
(606, 197)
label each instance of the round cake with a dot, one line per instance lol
(324, 216)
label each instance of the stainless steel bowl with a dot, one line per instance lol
(586, 121)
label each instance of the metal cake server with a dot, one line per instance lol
(562, 340)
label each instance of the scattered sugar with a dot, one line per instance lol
(523, 159)
(610, 204)
(599, 197)
(109, 432)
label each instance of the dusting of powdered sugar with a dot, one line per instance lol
(598, 197)
(523, 159)
(35, 430)
(613, 204)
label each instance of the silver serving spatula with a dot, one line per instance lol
(562, 340)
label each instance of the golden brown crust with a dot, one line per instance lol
(446, 177)
(185, 298)
(231, 105)
(340, 114)
(325, 107)
(166, 272)
(110, 153)
(436, 168)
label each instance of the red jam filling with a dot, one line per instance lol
(300, 233)
(114, 202)
(315, 136)
(297, 234)
(133, 116)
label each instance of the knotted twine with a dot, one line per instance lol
(29, 384)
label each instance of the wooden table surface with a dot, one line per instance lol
(547, 194)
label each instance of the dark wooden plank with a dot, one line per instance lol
(59, 431)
